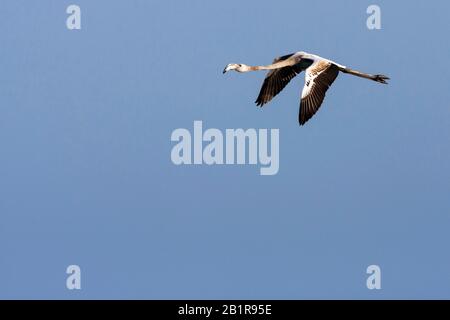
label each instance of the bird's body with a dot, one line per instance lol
(320, 73)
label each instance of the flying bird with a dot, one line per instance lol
(320, 73)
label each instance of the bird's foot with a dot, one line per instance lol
(381, 78)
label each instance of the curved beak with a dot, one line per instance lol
(227, 68)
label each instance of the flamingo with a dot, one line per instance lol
(320, 74)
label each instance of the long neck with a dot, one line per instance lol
(276, 65)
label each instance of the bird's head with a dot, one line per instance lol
(239, 67)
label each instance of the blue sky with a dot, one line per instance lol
(86, 176)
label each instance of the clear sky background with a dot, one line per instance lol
(86, 176)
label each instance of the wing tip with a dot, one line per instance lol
(259, 102)
(301, 121)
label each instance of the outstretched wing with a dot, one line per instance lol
(277, 79)
(318, 78)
